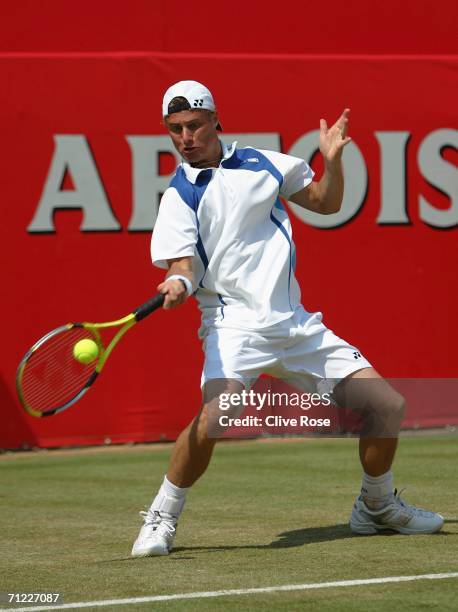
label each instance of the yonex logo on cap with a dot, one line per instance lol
(198, 102)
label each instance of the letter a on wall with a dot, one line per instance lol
(73, 155)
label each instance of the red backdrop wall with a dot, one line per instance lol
(387, 286)
(376, 27)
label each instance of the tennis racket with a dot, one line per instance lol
(50, 378)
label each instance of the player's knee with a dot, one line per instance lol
(208, 429)
(391, 415)
(398, 407)
(383, 415)
(218, 412)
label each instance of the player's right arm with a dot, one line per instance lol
(175, 289)
(173, 244)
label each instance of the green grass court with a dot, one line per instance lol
(266, 513)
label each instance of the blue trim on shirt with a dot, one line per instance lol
(285, 233)
(192, 194)
(254, 160)
(202, 253)
(220, 297)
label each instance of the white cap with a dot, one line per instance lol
(196, 95)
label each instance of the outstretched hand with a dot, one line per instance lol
(333, 139)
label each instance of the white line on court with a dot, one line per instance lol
(225, 593)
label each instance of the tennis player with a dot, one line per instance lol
(224, 236)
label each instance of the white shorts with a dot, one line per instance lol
(301, 349)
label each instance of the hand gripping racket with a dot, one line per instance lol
(50, 378)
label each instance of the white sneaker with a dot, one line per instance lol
(156, 535)
(397, 516)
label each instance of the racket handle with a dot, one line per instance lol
(148, 307)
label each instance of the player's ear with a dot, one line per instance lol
(216, 122)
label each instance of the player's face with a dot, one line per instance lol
(194, 135)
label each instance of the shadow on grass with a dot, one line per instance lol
(287, 539)
(301, 537)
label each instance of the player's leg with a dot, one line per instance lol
(377, 507)
(365, 390)
(231, 363)
(320, 353)
(191, 453)
(377, 454)
(189, 460)
(194, 447)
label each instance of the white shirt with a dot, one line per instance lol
(231, 221)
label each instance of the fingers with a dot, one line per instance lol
(344, 116)
(174, 291)
(342, 122)
(334, 139)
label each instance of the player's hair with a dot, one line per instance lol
(177, 104)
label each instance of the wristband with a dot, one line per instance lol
(187, 283)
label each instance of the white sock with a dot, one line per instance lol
(377, 491)
(170, 499)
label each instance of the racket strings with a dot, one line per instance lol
(43, 400)
(52, 377)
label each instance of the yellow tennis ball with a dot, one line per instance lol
(85, 351)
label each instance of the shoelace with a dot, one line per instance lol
(411, 509)
(158, 522)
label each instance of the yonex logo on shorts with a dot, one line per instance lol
(356, 354)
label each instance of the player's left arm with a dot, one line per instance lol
(325, 196)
